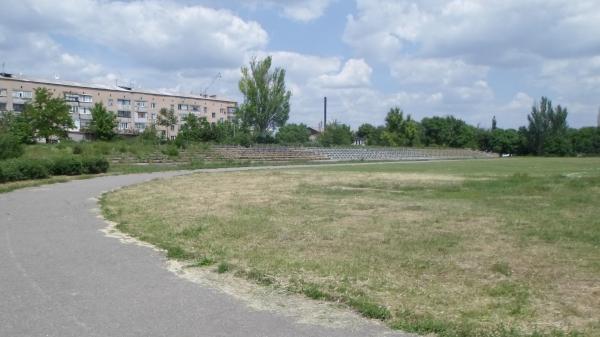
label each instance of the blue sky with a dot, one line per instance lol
(470, 58)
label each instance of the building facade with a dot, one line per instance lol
(135, 109)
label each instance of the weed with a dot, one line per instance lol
(223, 267)
(177, 252)
(369, 309)
(501, 268)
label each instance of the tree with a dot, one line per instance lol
(48, 116)
(336, 134)
(400, 131)
(293, 134)
(18, 126)
(167, 118)
(494, 123)
(266, 101)
(547, 129)
(448, 131)
(189, 130)
(586, 140)
(103, 123)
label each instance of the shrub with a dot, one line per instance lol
(77, 149)
(34, 169)
(67, 165)
(94, 165)
(10, 146)
(171, 151)
(9, 171)
(20, 169)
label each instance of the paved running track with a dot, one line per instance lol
(60, 276)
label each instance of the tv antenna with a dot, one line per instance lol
(218, 76)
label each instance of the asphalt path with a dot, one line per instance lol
(60, 276)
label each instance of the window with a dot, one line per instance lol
(74, 109)
(222, 111)
(123, 126)
(153, 105)
(140, 104)
(221, 119)
(140, 126)
(71, 98)
(205, 109)
(123, 102)
(195, 108)
(153, 115)
(2, 106)
(3, 92)
(141, 115)
(124, 114)
(231, 109)
(214, 115)
(18, 107)
(86, 98)
(183, 107)
(172, 127)
(22, 94)
(85, 110)
(110, 102)
(172, 137)
(84, 124)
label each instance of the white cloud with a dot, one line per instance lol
(436, 71)
(166, 35)
(510, 32)
(356, 73)
(297, 10)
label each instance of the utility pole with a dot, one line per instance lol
(324, 113)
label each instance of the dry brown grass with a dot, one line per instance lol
(418, 243)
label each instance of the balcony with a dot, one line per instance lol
(21, 100)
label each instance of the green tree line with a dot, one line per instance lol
(262, 118)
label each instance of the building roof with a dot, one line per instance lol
(124, 89)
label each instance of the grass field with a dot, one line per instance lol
(463, 248)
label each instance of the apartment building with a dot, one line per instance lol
(136, 109)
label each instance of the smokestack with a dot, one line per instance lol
(324, 113)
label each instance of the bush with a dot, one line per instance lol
(293, 134)
(94, 165)
(10, 146)
(77, 149)
(68, 166)
(171, 151)
(336, 134)
(20, 169)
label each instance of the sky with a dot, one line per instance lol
(473, 59)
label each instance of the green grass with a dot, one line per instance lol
(456, 248)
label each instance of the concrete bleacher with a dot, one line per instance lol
(268, 153)
(284, 153)
(275, 153)
(401, 153)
